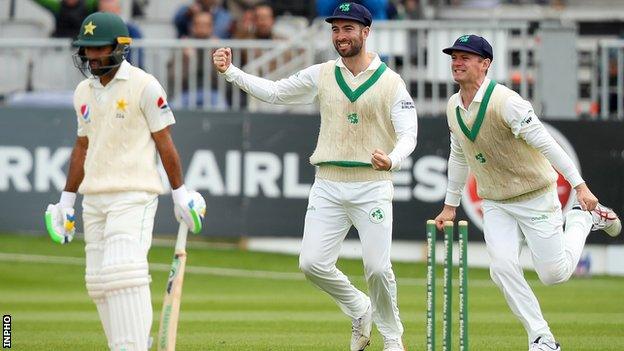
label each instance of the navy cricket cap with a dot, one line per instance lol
(471, 43)
(353, 12)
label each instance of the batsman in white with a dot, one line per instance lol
(123, 119)
(368, 126)
(496, 134)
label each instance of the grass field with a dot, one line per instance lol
(237, 300)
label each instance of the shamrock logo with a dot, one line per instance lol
(353, 118)
(376, 215)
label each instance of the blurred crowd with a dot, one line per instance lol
(251, 19)
(248, 19)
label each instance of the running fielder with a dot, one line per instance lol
(496, 134)
(123, 119)
(368, 126)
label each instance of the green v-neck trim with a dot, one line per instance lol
(476, 126)
(354, 95)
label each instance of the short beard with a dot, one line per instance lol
(103, 69)
(355, 50)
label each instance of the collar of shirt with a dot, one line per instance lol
(123, 73)
(477, 98)
(375, 63)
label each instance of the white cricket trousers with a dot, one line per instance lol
(333, 207)
(555, 252)
(118, 234)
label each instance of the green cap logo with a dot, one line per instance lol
(345, 7)
(464, 38)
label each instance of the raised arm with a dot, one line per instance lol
(300, 88)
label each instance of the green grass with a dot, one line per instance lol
(51, 310)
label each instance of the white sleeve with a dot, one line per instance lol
(457, 173)
(525, 124)
(300, 88)
(155, 107)
(405, 124)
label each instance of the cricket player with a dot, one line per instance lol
(123, 119)
(368, 126)
(497, 135)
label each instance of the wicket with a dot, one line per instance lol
(448, 285)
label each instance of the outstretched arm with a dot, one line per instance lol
(525, 124)
(300, 88)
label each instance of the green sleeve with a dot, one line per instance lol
(53, 5)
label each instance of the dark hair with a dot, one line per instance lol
(263, 4)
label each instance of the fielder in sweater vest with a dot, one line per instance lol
(354, 123)
(507, 169)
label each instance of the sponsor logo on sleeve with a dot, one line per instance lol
(407, 105)
(162, 104)
(527, 120)
(85, 113)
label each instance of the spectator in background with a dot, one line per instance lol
(264, 20)
(409, 10)
(113, 6)
(68, 15)
(138, 8)
(222, 20)
(243, 27)
(377, 8)
(202, 27)
(238, 7)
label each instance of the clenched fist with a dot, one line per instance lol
(381, 161)
(222, 58)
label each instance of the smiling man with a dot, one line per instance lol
(123, 120)
(496, 134)
(368, 126)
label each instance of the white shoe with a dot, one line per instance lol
(361, 330)
(541, 344)
(604, 218)
(393, 345)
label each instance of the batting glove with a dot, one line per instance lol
(60, 220)
(190, 207)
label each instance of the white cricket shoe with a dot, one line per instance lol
(604, 218)
(361, 330)
(393, 345)
(541, 344)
